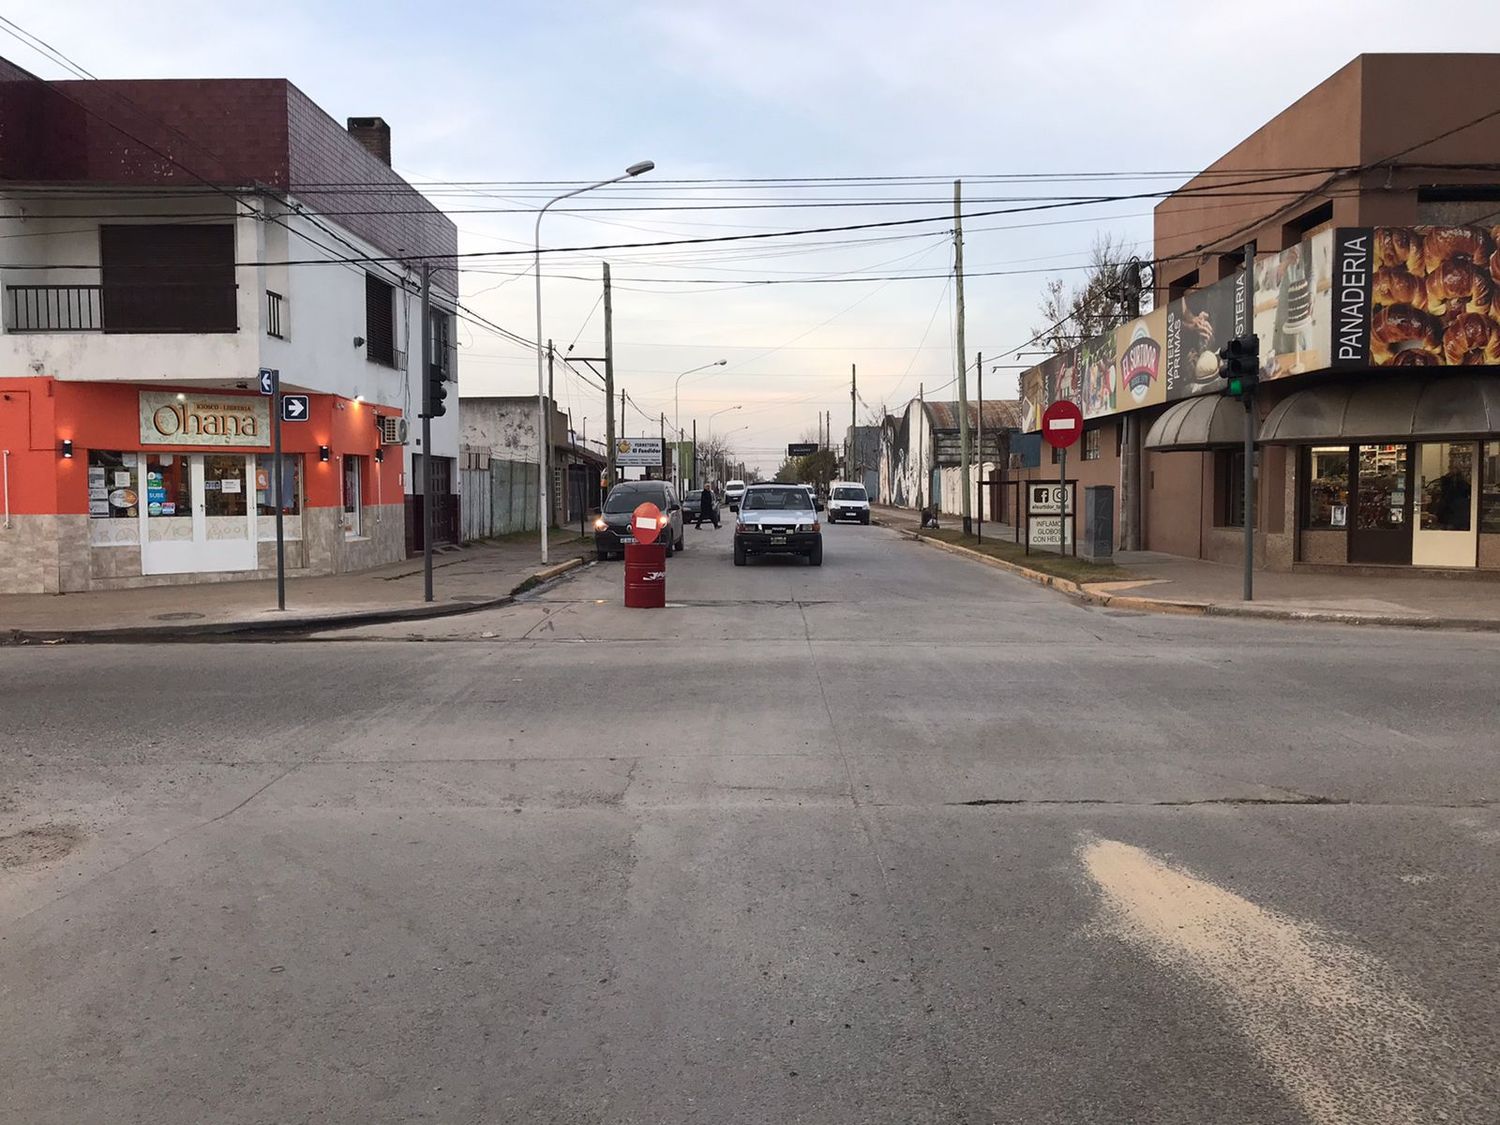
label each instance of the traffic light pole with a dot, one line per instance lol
(1249, 484)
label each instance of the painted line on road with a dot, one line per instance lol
(1332, 1023)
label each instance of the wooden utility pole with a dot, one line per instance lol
(963, 358)
(979, 460)
(921, 465)
(609, 384)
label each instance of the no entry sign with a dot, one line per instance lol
(1062, 423)
(646, 523)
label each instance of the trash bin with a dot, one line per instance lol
(646, 575)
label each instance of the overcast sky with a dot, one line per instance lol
(505, 92)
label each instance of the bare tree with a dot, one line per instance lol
(1110, 295)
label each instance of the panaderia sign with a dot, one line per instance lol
(171, 419)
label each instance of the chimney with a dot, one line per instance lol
(374, 134)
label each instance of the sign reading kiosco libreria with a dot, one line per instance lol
(168, 418)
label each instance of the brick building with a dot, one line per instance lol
(1373, 211)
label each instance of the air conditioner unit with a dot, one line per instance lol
(394, 431)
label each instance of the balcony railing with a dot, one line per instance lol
(273, 315)
(54, 308)
(173, 307)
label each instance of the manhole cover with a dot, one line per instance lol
(185, 615)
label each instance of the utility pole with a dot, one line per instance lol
(696, 483)
(963, 361)
(426, 368)
(663, 447)
(547, 466)
(609, 384)
(921, 465)
(979, 492)
(853, 421)
(1249, 482)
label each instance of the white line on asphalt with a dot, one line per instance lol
(1331, 1022)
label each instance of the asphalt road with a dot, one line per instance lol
(899, 839)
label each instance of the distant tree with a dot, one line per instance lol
(1072, 315)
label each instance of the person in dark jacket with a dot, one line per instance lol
(707, 510)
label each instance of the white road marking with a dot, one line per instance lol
(1331, 1021)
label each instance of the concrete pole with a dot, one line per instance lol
(609, 384)
(963, 358)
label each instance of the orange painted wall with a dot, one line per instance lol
(37, 414)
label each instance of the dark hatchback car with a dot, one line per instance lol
(692, 506)
(612, 528)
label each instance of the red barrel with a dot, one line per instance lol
(646, 575)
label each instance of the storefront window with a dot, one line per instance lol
(291, 485)
(169, 490)
(1091, 444)
(1489, 496)
(352, 473)
(1382, 487)
(224, 491)
(1446, 491)
(1326, 496)
(113, 485)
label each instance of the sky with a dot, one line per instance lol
(498, 97)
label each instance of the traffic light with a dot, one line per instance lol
(1239, 363)
(436, 390)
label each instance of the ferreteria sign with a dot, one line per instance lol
(171, 419)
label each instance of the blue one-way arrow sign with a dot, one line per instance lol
(294, 408)
(267, 381)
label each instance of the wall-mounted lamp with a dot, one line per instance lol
(359, 341)
(322, 453)
(66, 449)
(181, 397)
(379, 455)
(359, 398)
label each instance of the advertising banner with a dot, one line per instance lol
(1294, 307)
(168, 418)
(1199, 323)
(1141, 350)
(1099, 376)
(1432, 296)
(638, 452)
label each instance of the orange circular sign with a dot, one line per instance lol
(646, 523)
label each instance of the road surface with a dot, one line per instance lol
(899, 839)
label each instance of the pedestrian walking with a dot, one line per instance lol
(707, 510)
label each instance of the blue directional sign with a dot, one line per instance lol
(267, 381)
(294, 408)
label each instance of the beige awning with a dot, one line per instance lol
(1198, 424)
(1388, 408)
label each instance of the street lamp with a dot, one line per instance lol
(676, 407)
(543, 430)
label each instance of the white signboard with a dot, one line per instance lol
(1046, 499)
(638, 452)
(1042, 531)
(168, 418)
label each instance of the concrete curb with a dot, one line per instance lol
(284, 629)
(1072, 590)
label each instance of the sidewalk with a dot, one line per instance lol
(463, 579)
(1147, 580)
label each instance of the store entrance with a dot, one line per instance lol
(198, 513)
(1381, 529)
(1445, 531)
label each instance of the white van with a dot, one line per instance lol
(848, 500)
(732, 493)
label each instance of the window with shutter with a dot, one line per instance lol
(380, 321)
(168, 278)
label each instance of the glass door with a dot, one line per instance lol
(196, 516)
(1381, 529)
(1445, 531)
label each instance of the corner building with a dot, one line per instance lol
(164, 242)
(1374, 212)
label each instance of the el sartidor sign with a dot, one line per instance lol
(167, 419)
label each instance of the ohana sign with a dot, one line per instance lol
(171, 419)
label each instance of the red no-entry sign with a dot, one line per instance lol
(1062, 423)
(646, 523)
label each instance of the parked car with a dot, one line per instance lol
(732, 493)
(848, 500)
(612, 528)
(817, 497)
(692, 505)
(777, 519)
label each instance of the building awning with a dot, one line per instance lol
(1393, 409)
(1198, 424)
